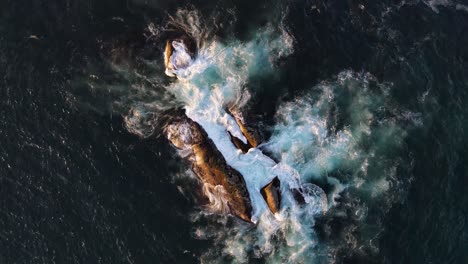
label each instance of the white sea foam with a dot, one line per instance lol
(215, 79)
(179, 60)
(340, 134)
(307, 139)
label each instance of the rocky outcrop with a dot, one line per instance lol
(272, 195)
(178, 54)
(239, 144)
(253, 139)
(209, 165)
(223, 185)
(168, 53)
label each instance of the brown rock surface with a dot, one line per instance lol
(252, 137)
(239, 144)
(209, 164)
(167, 54)
(272, 195)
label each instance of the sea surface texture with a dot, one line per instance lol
(362, 105)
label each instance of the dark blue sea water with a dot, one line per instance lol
(79, 185)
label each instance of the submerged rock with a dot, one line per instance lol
(219, 179)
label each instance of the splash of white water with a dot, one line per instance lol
(212, 81)
(308, 143)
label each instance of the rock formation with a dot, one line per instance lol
(210, 166)
(272, 195)
(222, 184)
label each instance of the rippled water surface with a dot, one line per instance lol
(361, 103)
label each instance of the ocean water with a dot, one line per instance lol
(360, 104)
